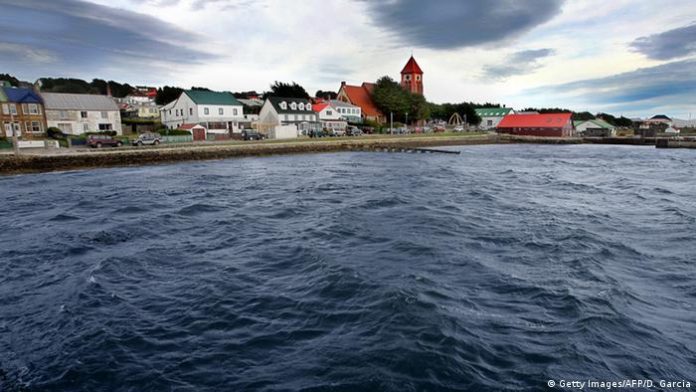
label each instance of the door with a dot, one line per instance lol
(198, 134)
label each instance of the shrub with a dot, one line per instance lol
(55, 133)
(177, 132)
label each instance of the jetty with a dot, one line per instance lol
(676, 143)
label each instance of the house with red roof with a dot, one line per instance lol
(329, 116)
(361, 96)
(545, 125)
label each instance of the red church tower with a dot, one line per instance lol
(412, 77)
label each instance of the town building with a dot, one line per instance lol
(594, 127)
(361, 96)
(351, 113)
(75, 114)
(283, 112)
(329, 117)
(22, 112)
(548, 125)
(491, 117)
(412, 77)
(218, 112)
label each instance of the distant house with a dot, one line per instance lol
(595, 127)
(548, 125)
(351, 113)
(298, 112)
(491, 117)
(218, 112)
(329, 117)
(361, 96)
(22, 112)
(75, 114)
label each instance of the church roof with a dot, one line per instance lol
(412, 67)
(360, 96)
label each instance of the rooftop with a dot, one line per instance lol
(549, 120)
(204, 97)
(60, 101)
(493, 112)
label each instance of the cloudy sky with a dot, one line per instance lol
(635, 58)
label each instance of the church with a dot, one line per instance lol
(411, 80)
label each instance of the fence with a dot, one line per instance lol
(177, 139)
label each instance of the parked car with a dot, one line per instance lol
(353, 131)
(148, 138)
(339, 132)
(252, 135)
(459, 128)
(439, 128)
(98, 141)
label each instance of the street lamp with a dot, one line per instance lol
(406, 120)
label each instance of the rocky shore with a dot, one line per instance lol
(66, 159)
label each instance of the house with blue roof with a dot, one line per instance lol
(21, 111)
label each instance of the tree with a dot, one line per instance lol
(582, 116)
(195, 88)
(465, 109)
(391, 98)
(326, 94)
(167, 94)
(547, 110)
(10, 79)
(287, 90)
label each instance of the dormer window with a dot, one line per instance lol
(301, 106)
(283, 105)
(293, 106)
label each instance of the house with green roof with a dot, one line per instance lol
(218, 112)
(491, 117)
(595, 127)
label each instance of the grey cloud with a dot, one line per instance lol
(518, 63)
(671, 44)
(665, 85)
(449, 24)
(87, 37)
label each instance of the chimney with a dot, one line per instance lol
(108, 89)
(343, 83)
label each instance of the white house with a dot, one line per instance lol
(491, 117)
(329, 117)
(217, 112)
(349, 112)
(594, 127)
(277, 111)
(75, 114)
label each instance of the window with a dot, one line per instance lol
(283, 105)
(329, 113)
(407, 78)
(63, 114)
(85, 127)
(13, 109)
(206, 111)
(83, 114)
(5, 109)
(104, 115)
(301, 106)
(66, 128)
(418, 78)
(293, 106)
(36, 127)
(104, 127)
(490, 123)
(170, 112)
(190, 111)
(8, 129)
(234, 112)
(221, 111)
(25, 108)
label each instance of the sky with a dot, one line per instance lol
(635, 58)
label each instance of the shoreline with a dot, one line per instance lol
(63, 160)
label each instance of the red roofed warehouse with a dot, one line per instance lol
(548, 125)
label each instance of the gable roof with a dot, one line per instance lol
(412, 67)
(275, 101)
(21, 95)
(337, 103)
(60, 101)
(493, 112)
(549, 120)
(318, 107)
(598, 122)
(360, 96)
(203, 97)
(187, 127)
